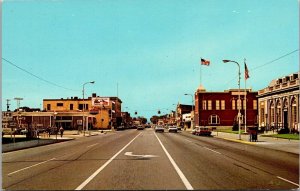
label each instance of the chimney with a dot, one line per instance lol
(94, 95)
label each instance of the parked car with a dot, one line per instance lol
(159, 128)
(178, 128)
(194, 130)
(203, 131)
(173, 129)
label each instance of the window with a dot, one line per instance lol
(239, 104)
(255, 104)
(71, 106)
(217, 105)
(262, 115)
(80, 106)
(244, 104)
(272, 113)
(222, 104)
(204, 105)
(233, 104)
(59, 104)
(294, 112)
(214, 120)
(209, 107)
(48, 107)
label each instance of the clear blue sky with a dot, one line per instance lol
(150, 48)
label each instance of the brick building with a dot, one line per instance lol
(220, 109)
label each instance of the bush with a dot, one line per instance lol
(284, 131)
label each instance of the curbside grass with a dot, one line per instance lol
(284, 136)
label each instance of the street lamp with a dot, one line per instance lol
(192, 121)
(239, 98)
(83, 121)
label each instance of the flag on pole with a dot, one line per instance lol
(246, 72)
(205, 62)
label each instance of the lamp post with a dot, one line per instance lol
(192, 121)
(239, 98)
(83, 119)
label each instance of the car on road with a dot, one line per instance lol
(159, 128)
(140, 127)
(172, 129)
(203, 131)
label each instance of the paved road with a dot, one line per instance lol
(177, 161)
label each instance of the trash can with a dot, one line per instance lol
(252, 131)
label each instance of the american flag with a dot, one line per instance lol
(205, 62)
(246, 72)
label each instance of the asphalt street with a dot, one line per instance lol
(143, 159)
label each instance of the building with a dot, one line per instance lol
(184, 109)
(279, 104)
(220, 109)
(96, 112)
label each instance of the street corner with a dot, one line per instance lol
(239, 141)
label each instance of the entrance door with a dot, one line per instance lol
(285, 119)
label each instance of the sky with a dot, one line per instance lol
(146, 52)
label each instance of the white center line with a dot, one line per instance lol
(212, 150)
(82, 185)
(179, 172)
(30, 166)
(288, 181)
(92, 145)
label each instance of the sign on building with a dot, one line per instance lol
(99, 101)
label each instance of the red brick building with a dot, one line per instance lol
(220, 109)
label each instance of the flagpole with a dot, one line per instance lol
(200, 73)
(245, 101)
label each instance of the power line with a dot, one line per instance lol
(47, 81)
(267, 63)
(270, 62)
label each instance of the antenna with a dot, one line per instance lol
(18, 99)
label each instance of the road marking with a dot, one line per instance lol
(139, 156)
(92, 145)
(30, 167)
(288, 181)
(179, 172)
(82, 185)
(212, 150)
(189, 140)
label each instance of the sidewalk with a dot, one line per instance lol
(44, 139)
(285, 145)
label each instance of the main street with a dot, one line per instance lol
(175, 161)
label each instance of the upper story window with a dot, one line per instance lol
(204, 105)
(48, 107)
(217, 104)
(222, 104)
(59, 104)
(233, 104)
(239, 104)
(209, 105)
(255, 104)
